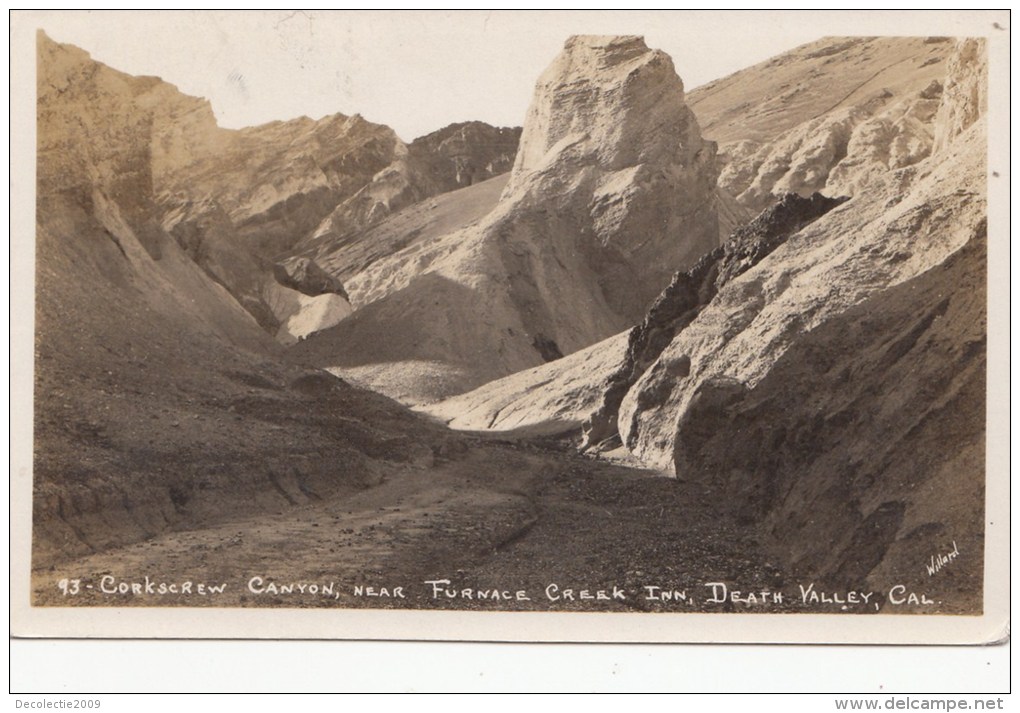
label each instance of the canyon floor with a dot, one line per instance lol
(505, 515)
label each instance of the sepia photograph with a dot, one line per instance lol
(429, 325)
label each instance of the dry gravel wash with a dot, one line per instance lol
(505, 517)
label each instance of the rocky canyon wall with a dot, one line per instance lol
(159, 402)
(612, 190)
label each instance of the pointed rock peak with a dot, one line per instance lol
(613, 92)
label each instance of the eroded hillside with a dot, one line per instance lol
(159, 402)
(238, 201)
(828, 116)
(612, 190)
(822, 372)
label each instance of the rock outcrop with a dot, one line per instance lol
(839, 153)
(613, 189)
(457, 156)
(586, 388)
(305, 276)
(461, 155)
(231, 199)
(825, 117)
(687, 294)
(305, 299)
(966, 92)
(861, 451)
(278, 181)
(885, 236)
(207, 235)
(301, 314)
(609, 121)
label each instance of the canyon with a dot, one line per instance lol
(653, 335)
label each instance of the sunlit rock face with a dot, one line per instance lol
(612, 190)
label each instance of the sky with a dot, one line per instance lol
(414, 71)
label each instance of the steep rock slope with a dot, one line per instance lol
(231, 199)
(877, 240)
(238, 200)
(687, 295)
(844, 374)
(418, 224)
(760, 103)
(824, 117)
(277, 181)
(839, 152)
(456, 156)
(208, 236)
(159, 402)
(287, 185)
(862, 450)
(555, 398)
(612, 190)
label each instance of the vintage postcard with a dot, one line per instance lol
(575, 326)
